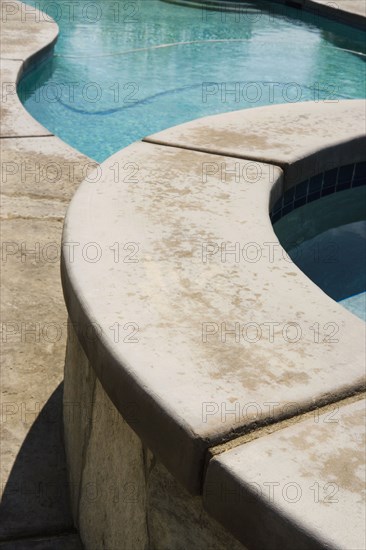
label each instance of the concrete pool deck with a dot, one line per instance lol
(36, 186)
(36, 515)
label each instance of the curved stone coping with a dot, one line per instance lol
(350, 12)
(300, 487)
(170, 296)
(304, 139)
(38, 32)
(27, 37)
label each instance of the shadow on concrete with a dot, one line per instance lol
(36, 496)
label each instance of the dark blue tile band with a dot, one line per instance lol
(321, 185)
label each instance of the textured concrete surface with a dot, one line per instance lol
(304, 138)
(124, 497)
(26, 35)
(15, 120)
(106, 462)
(178, 520)
(301, 487)
(42, 168)
(24, 31)
(33, 471)
(36, 185)
(194, 382)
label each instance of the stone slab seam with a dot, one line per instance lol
(84, 452)
(282, 424)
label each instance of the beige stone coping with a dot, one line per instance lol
(27, 36)
(300, 487)
(304, 139)
(156, 275)
(26, 31)
(15, 120)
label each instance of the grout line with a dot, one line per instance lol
(281, 164)
(4, 218)
(281, 424)
(11, 59)
(35, 197)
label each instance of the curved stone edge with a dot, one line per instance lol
(160, 430)
(31, 46)
(115, 476)
(38, 34)
(318, 137)
(300, 487)
(225, 494)
(101, 353)
(351, 13)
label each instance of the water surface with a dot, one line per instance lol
(123, 70)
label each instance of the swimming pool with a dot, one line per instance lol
(125, 69)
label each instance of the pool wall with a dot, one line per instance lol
(320, 185)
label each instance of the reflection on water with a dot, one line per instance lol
(123, 70)
(326, 239)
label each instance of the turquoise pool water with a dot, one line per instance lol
(125, 69)
(326, 239)
(335, 260)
